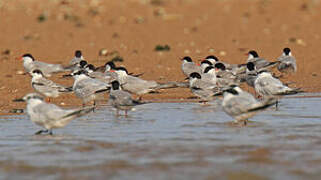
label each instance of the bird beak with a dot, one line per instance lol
(18, 100)
(66, 75)
(246, 54)
(186, 78)
(111, 70)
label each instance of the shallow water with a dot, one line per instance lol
(169, 141)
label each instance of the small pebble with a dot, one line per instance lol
(139, 20)
(211, 50)
(300, 42)
(103, 52)
(222, 53)
(159, 12)
(20, 72)
(186, 51)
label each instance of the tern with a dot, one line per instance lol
(268, 86)
(87, 88)
(188, 66)
(121, 100)
(45, 86)
(259, 62)
(287, 61)
(203, 89)
(31, 64)
(49, 116)
(241, 105)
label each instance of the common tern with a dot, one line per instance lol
(268, 86)
(50, 116)
(203, 89)
(241, 105)
(45, 86)
(287, 61)
(209, 75)
(225, 78)
(31, 64)
(87, 88)
(188, 66)
(121, 100)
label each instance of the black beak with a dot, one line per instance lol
(18, 100)
(186, 78)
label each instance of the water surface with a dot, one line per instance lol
(169, 141)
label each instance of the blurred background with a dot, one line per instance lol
(132, 29)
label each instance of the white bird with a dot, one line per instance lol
(188, 66)
(268, 86)
(209, 75)
(242, 105)
(259, 62)
(287, 61)
(49, 116)
(140, 86)
(203, 89)
(251, 74)
(87, 88)
(133, 84)
(45, 86)
(225, 78)
(31, 64)
(121, 100)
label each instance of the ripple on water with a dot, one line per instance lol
(169, 141)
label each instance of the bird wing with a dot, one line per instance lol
(121, 98)
(88, 87)
(237, 105)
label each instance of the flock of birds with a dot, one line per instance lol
(208, 80)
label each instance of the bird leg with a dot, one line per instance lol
(276, 105)
(245, 122)
(50, 132)
(94, 106)
(126, 114)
